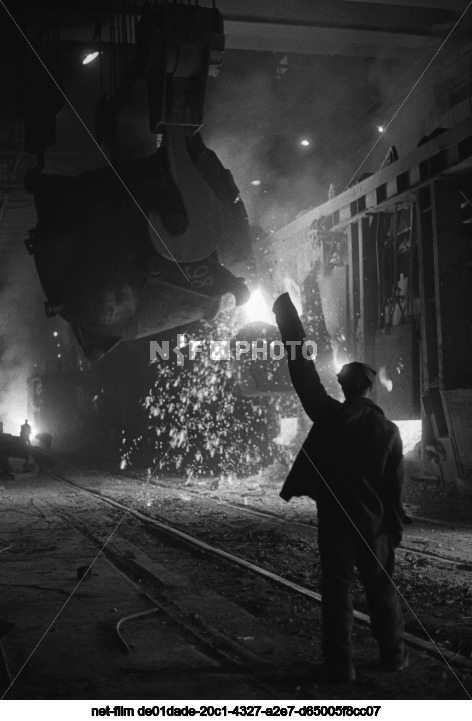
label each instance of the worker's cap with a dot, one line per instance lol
(356, 375)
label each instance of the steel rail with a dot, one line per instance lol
(214, 641)
(132, 617)
(313, 526)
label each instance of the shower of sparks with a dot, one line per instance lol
(197, 409)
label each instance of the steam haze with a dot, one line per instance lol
(24, 336)
(255, 120)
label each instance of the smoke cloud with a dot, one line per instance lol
(262, 105)
(256, 119)
(23, 336)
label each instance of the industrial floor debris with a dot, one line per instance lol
(98, 604)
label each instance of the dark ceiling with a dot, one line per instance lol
(336, 33)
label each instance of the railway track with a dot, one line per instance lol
(200, 546)
(404, 549)
(142, 573)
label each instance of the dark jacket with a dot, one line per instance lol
(351, 462)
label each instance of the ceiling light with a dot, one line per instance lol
(305, 143)
(90, 57)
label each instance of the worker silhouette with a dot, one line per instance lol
(25, 433)
(351, 464)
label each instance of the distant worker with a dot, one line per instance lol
(351, 464)
(25, 433)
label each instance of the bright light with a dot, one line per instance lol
(288, 431)
(385, 380)
(257, 308)
(380, 128)
(55, 334)
(90, 57)
(14, 420)
(255, 182)
(227, 303)
(305, 143)
(295, 293)
(339, 360)
(410, 432)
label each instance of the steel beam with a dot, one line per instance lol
(459, 5)
(316, 40)
(448, 154)
(355, 343)
(369, 284)
(327, 27)
(452, 285)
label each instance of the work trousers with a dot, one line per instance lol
(341, 550)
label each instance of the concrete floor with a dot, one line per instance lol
(64, 642)
(205, 641)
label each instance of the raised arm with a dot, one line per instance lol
(306, 381)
